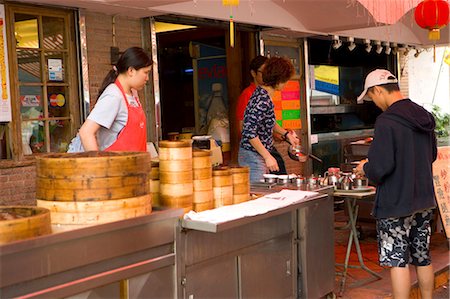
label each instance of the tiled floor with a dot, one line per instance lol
(355, 287)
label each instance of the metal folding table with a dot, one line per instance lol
(351, 199)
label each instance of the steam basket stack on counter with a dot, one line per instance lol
(83, 189)
(187, 179)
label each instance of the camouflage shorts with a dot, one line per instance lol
(405, 240)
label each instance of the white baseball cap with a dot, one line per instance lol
(375, 78)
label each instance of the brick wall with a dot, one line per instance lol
(17, 183)
(99, 38)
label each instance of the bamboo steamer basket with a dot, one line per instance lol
(154, 183)
(203, 183)
(154, 172)
(241, 184)
(33, 222)
(222, 187)
(86, 213)
(184, 202)
(175, 150)
(175, 174)
(154, 187)
(201, 159)
(198, 207)
(92, 176)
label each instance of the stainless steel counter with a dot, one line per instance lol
(98, 260)
(285, 253)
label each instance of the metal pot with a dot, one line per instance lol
(360, 182)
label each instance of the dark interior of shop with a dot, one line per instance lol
(176, 75)
(344, 117)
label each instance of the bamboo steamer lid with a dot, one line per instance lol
(238, 198)
(203, 196)
(221, 171)
(182, 177)
(176, 189)
(241, 189)
(175, 144)
(175, 165)
(203, 185)
(198, 207)
(202, 173)
(97, 212)
(92, 164)
(34, 221)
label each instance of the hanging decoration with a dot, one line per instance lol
(432, 15)
(231, 3)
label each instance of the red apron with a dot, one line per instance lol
(133, 136)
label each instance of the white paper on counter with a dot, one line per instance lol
(249, 208)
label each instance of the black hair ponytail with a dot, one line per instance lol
(133, 57)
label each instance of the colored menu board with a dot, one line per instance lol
(441, 176)
(287, 106)
(5, 101)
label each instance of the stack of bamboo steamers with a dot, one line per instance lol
(94, 187)
(187, 179)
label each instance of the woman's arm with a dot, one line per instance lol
(288, 134)
(271, 163)
(88, 135)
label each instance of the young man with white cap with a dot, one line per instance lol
(400, 164)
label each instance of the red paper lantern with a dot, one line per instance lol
(432, 15)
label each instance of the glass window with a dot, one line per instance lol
(55, 66)
(26, 31)
(31, 102)
(58, 105)
(53, 31)
(43, 50)
(59, 135)
(29, 63)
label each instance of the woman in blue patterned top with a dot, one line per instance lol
(259, 121)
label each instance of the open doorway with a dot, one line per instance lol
(179, 76)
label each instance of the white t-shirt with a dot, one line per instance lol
(111, 113)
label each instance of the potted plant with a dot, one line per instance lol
(442, 126)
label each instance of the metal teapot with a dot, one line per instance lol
(346, 182)
(331, 177)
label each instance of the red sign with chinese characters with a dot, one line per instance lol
(441, 177)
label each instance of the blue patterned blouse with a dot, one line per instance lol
(259, 120)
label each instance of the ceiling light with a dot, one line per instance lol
(379, 48)
(368, 45)
(337, 43)
(406, 51)
(387, 48)
(394, 48)
(418, 51)
(351, 43)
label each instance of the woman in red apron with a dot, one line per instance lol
(116, 128)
